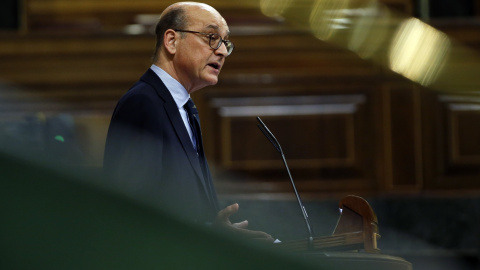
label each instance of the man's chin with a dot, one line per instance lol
(212, 80)
(205, 83)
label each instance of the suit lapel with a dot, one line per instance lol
(177, 123)
(182, 134)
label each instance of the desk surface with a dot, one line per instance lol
(357, 261)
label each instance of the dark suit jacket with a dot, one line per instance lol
(149, 152)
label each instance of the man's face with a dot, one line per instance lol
(196, 63)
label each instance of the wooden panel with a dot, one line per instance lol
(92, 6)
(403, 134)
(454, 147)
(323, 138)
(114, 15)
(463, 134)
(323, 134)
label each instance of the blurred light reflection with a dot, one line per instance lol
(418, 51)
(405, 45)
(370, 29)
(327, 17)
(274, 8)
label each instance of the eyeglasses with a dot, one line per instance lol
(214, 40)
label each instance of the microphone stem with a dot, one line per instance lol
(277, 146)
(299, 200)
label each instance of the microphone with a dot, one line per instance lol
(277, 146)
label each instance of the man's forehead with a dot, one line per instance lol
(196, 5)
(208, 20)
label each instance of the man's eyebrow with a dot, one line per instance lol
(215, 27)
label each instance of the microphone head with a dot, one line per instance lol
(269, 135)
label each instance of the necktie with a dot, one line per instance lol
(192, 113)
(194, 122)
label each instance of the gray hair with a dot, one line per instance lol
(175, 18)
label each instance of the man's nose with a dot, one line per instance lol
(222, 50)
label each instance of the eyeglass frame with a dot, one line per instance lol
(210, 35)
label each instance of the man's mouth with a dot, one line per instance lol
(214, 65)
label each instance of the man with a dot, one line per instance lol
(154, 146)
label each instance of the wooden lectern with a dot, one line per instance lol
(357, 229)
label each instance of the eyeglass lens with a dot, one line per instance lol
(216, 42)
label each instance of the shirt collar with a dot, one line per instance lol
(176, 89)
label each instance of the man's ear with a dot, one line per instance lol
(170, 41)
